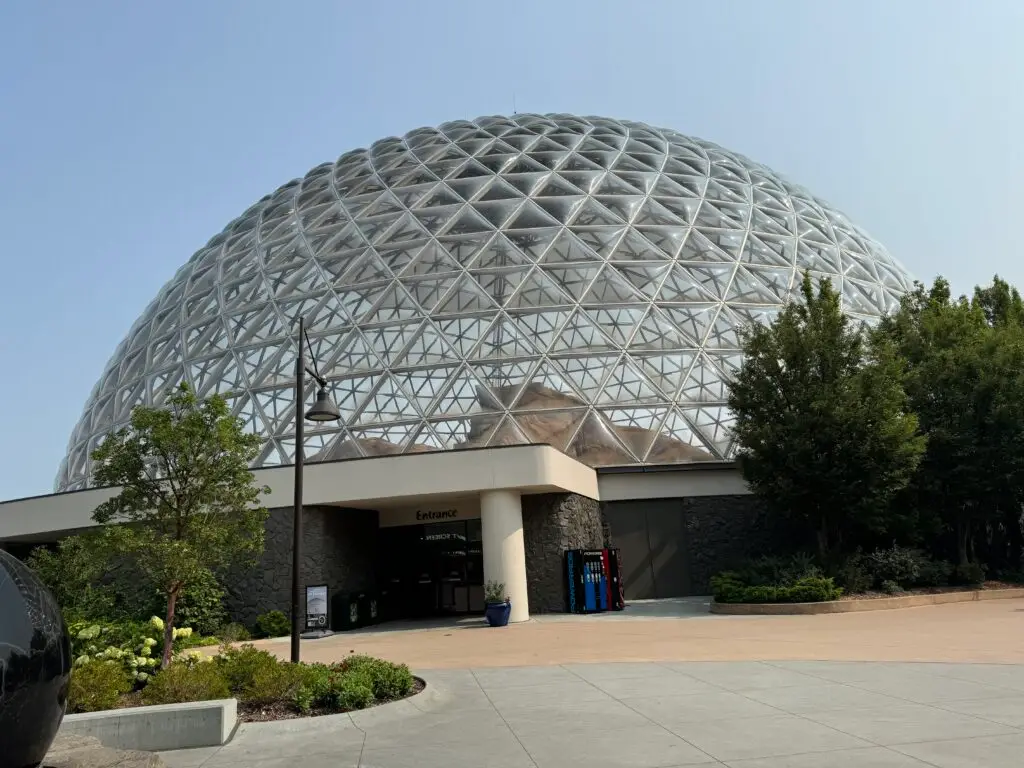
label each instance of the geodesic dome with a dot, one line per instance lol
(535, 278)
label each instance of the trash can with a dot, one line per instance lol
(369, 608)
(345, 612)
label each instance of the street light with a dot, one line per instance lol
(323, 410)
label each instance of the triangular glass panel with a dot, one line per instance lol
(611, 288)
(592, 213)
(617, 323)
(469, 188)
(428, 347)
(432, 260)
(548, 387)
(531, 216)
(537, 290)
(397, 258)
(467, 296)
(699, 248)
(468, 222)
(814, 256)
(685, 208)
(666, 370)
(369, 268)
(557, 186)
(440, 196)
(389, 402)
(244, 409)
(645, 276)
(542, 328)
(596, 444)
(561, 208)
(350, 392)
(714, 425)
(867, 298)
(777, 281)
(277, 407)
(525, 182)
(857, 267)
(566, 247)
(524, 164)
(601, 240)
(586, 372)
(385, 441)
(386, 203)
(770, 251)
(434, 219)
(357, 301)
(406, 230)
(503, 380)
(427, 292)
(447, 434)
(463, 333)
(411, 195)
(504, 339)
(580, 333)
(751, 314)
(724, 333)
(497, 213)
(692, 320)
(704, 384)
(627, 384)
(394, 304)
(636, 427)
(574, 279)
(461, 395)
(507, 432)
(499, 190)
(583, 180)
(465, 248)
(388, 341)
(532, 243)
(680, 431)
(350, 354)
(687, 283)
(633, 246)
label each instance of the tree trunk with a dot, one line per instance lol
(172, 598)
(823, 540)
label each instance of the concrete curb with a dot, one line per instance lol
(159, 728)
(853, 606)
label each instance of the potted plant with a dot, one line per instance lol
(498, 605)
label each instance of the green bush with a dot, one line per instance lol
(388, 681)
(243, 666)
(353, 690)
(96, 686)
(970, 575)
(934, 573)
(728, 587)
(234, 633)
(273, 624)
(897, 564)
(778, 571)
(891, 587)
(272, 683)
(316, 686)
(200, 605)
(183, 681)
(853, 575)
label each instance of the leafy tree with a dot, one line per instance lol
(964, 361)
(187, 504)
(822, 424)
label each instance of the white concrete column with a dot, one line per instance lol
(501, 528)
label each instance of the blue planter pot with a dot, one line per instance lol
(497, 614)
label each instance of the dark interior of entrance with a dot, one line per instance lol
(431, 570)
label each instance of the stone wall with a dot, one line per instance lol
(553, 523)
(339, 550)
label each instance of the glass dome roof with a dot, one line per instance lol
(577, 281)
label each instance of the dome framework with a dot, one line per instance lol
(535, 278)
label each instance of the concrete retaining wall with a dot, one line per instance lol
(851, 606)
(152, 729)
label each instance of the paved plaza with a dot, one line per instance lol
(649, 715)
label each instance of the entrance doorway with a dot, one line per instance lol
(429, 570)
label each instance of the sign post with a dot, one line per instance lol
(317, 608)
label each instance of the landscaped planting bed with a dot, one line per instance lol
(117, 666)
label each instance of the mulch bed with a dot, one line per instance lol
(929, 591)
(249, 713)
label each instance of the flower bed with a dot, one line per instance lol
(118, 666)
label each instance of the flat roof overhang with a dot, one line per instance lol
(373, 483)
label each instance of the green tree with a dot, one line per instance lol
(822, 425)
(964, 360)
(188, 505)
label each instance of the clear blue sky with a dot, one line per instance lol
(130, 133)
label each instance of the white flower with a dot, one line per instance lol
(149, 642)
(157, 623)
(146, 650)
(83, 659)
(142, 677)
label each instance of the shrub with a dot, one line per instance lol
(242, 667)
(891, 587)
(971, 575)
(778, 571)
(853, 576)
(182, 682)
(97, 685)
(273, 624)
(280, 682)
(897, 564)
(200, 605)
(388, 681)
(234, 633)
(934, 573)
(316, 686)
(729, 588)
(353, 690)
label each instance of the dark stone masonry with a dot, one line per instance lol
(339, 550)
(553, 523)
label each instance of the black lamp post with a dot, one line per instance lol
(323, 409)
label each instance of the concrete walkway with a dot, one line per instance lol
(789, 714)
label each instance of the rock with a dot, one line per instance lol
(69, 751)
